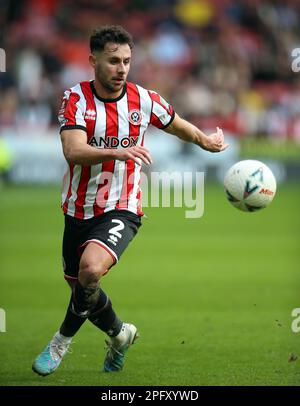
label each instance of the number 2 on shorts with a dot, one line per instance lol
(115, 230)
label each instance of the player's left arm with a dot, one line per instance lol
(190, 133)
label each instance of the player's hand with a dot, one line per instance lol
(137, 154)
(215, 142)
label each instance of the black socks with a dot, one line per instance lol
(84, 299)
(104, 317)
(91, 303)
(72, 322)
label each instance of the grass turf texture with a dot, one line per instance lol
(212, 297)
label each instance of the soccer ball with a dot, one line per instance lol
(250, 185)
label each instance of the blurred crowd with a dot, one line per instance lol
(220, 63)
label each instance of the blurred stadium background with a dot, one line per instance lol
(219, 63)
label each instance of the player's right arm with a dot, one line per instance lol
(77, 151)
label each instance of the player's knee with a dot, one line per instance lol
(90, 273)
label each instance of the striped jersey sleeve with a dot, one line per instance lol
(162, 113)
(71, 113)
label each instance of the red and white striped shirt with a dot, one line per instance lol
(90, 191)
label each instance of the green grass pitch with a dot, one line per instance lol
(212, 297)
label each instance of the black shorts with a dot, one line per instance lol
(113, 231)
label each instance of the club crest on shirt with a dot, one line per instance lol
(135, 117)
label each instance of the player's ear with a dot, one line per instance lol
(92, 60)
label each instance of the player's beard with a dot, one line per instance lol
(108, 83)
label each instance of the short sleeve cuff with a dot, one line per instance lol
(73, 127)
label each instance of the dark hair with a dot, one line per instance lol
(109, 33)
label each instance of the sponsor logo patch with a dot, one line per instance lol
(113, 142)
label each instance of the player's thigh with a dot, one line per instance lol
(106, 240)
(115, 232)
